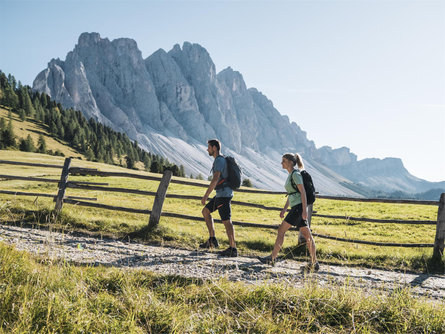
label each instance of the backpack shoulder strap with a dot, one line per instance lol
(292, 182)
(221, 182)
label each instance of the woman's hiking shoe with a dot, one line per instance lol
(229, 252)
(311, 267)
(211, 243)
(267, 260)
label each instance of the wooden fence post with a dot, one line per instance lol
(62, 185)
(440, 229)
(159, 199)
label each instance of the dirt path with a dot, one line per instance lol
(188, 263)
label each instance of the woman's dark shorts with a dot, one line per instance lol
(294, 217)
(223, 206)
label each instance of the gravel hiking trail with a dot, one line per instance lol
(81, 249)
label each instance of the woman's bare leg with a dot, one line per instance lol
(280, 238)
(310, 243)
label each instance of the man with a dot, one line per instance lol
(221, 201)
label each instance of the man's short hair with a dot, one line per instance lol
(215, 143)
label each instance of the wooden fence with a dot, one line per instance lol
(156, 211)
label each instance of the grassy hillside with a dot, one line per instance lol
(187, 233)
(29, 127)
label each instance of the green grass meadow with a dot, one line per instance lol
(40, 296)
(189, 233)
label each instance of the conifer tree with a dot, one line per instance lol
(76, 140)
(247, 183)
(35, 100)
(22, 114)
(59, 126)
(174, 169)
(43, 100)
(3, 81)
(38, 115)
(41, 144)
(10, 98)
(53, 128)
(109, 157)
(28, 106)
(155, 167)
(12, 82)
(62, 132)
(147, 162)
(89, 154)
(130, 162)
(8, 135)
(2, 128)
(27, 145)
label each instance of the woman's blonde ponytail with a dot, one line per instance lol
(299, 161)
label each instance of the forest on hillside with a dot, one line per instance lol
(94, 140)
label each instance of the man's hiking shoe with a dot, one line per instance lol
(229, 252)
(267, 260)
(211, 243)
(311, 267)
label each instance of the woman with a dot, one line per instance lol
(300, 165)
(297, 215)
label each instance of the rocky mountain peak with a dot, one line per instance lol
(87, 39)
(336, 157)
(193, 58)
(233, 79)
(173, 102)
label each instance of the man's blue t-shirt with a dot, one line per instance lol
(220, 165)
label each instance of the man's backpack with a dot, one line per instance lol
(234, 171)
(308, 186)
(233, 179)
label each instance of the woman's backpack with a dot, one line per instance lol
(308, 186)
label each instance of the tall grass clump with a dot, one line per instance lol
(47, 297)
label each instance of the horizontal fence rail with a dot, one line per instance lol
(28, 178)
(385, 244)
(105, 206)
(99, 186)
(39, 179)
(30, 164)
(20, 193)
(385, 221)
(380, 200)
(70, 184)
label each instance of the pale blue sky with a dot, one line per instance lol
(369, 75)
